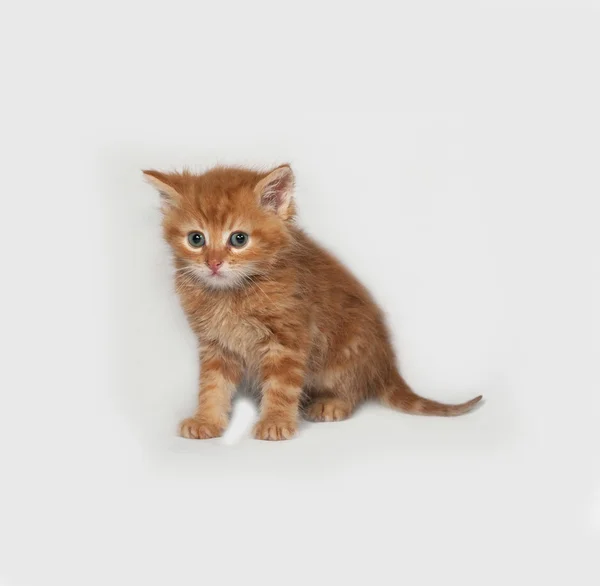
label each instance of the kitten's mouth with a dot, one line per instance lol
(224, 278)
(218, 279)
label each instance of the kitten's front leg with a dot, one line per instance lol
(282, 378)
(219, 375)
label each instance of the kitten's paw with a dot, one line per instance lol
(328, 410)
(275, 429)
(191, 428)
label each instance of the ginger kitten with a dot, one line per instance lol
(265, 300)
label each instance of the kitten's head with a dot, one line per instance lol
(227, 225)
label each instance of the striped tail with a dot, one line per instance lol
(400, 396)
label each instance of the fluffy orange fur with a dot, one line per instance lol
(266, 302)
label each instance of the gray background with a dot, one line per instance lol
(446, 152)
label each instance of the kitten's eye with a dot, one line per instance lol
(238, 239)
(196, 239)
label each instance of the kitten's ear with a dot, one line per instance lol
(167, 186)
(276, 191)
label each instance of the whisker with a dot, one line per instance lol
(251, 279)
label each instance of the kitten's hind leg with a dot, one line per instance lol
(327, 406)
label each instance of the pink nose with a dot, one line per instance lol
(214, 265)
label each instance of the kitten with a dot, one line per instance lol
(266, 301)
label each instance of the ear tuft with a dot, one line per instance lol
(276, 191)
(166, 185)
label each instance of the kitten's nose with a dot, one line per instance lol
(214, 265)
